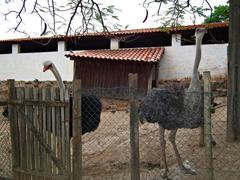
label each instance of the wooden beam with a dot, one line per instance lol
(13, 123)
(208, 123)
(134, 132)
(233, 113)
(77, 131)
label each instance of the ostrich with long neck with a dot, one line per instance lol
(91, 105)
(172, 107)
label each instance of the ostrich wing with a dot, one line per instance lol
(163, 106)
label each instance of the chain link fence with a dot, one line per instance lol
(106, 150)
(5, 147)
(226, 155)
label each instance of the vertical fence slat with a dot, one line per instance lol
(67, 134)
(28, 144)
(40, 107)
(13, 126)
(63, 150)
(207, 122)
(53, 125)
(134, 131)
(77, 131)
(36, 124)
(44, 131)
(30, 115)
(49, 122)
(21, 135)
(58, 132)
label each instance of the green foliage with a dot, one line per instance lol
(220, 14)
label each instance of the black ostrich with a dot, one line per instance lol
(173, 107)
(91, 105)
(5, 112)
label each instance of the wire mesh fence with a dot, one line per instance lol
(106, 149)
(5, 147)
(226, 155)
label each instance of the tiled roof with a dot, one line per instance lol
(150, 54)
(119, 33)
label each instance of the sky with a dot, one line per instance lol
(132, 14)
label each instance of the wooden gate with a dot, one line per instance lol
(40, 133)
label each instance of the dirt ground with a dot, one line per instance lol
(106, 151)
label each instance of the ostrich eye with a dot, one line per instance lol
(49, 66)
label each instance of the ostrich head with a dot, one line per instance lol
(48, 65)
(199, 33)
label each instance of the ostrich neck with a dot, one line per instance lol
(58, 78)
(195, 78)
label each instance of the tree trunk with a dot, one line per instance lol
(233, 121)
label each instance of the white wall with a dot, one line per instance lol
(28, 66)
(176, 63)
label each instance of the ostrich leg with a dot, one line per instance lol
(162, 148)
(172, 139)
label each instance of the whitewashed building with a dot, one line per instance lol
(21, 59)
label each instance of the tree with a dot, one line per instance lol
(173, 13)
(220, 14)
(58, 17)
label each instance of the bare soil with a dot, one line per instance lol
(106, 151)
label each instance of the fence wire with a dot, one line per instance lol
(106, 149)
(5, 147)
(226, 155)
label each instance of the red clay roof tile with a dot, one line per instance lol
(119, 33)
(150, 54)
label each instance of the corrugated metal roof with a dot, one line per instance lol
(119, 33)
(150, 54)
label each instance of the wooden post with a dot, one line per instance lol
(13, 122)
(134, 134)
(77, 131)
(207, 122)
(233, 113)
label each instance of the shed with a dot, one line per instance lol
(109, 68)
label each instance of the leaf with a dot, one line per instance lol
(115, 17)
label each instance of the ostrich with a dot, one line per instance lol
(91, 105)
(172, 107)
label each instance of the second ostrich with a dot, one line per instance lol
(91, 106)
(172, 107)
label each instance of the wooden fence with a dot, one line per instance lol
(41, 146)
(40, 133)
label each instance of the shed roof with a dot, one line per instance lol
(149, 54)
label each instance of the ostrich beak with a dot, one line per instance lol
(45, 68)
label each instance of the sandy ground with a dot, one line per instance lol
(106, 151)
